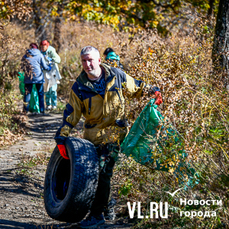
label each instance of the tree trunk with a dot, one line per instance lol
(42, 22)
(57, 29)
(210, 10)
(220, 51)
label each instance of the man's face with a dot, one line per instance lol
(91, 63)
(44, 48)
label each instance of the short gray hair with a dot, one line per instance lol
(89, 49)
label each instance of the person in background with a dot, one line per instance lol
(112, 58)
(97, 94)
(52, 57)
(32, 64)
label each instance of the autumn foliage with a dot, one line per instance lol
(195, 103)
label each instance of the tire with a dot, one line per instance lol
(70, 185)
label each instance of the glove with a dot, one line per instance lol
(50, 67)
(63, 151)
(156, 92)
(158, 98)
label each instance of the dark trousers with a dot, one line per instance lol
(104, 186)
(27, 96)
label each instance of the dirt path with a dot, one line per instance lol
(22, 172)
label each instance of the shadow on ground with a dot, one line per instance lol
(44, 128)
(7, 224)
(10, 224)
(22, 184)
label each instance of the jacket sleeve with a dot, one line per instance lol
(72, 115)
(53, 54)
(43, 63)
(133, 86)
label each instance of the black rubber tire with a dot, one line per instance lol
(70, 185)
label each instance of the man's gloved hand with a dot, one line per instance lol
(158, 98)
(63, 151)
(50, 67)
(157, 94)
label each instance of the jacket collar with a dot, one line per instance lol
(83, 79)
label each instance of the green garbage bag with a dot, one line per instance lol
(155, 144)
(34, 99)
(21, 82)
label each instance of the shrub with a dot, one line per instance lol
(196, 104)
(13, 44)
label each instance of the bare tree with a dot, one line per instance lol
(42, 20)
(57, 26)
(221, 41)
(210, 10)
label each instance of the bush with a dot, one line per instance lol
(13, 44)
(196, 104)
(10, 119)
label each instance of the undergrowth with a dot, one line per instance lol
(11, 120)
(195, 102)
(13, 43)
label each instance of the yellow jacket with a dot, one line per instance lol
(99, 112)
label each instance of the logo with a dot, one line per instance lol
(155, 210)
(160, 209)
(172, 194)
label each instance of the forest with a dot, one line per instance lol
(178, 45)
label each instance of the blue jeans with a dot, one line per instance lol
(51, 96)
(27, 96)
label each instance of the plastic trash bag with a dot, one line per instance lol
(21, 82)
(155, 144)
(51, 77)
(34, 99)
